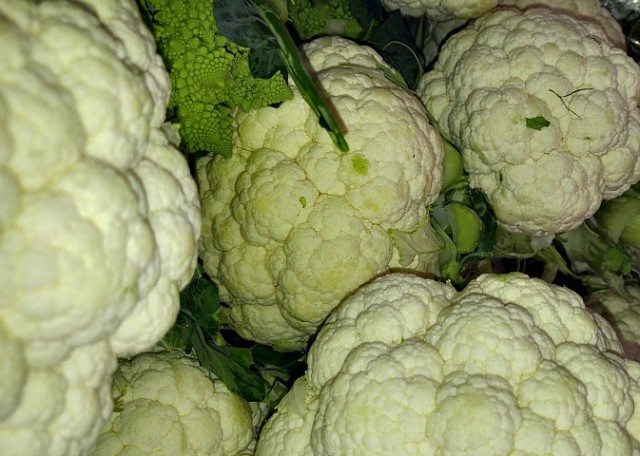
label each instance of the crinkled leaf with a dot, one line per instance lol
(282, 364)
(232, 365)
(394, 42)
(201, 299)
(240, 22)
(265, 61)
(368, 13)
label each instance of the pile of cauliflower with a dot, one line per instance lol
(103, 221)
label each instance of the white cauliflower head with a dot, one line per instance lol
(168, 405)
(510, 365)
(292, 226)
(544, 110)
(99, 217)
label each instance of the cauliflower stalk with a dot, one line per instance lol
(209, 73)
(99, 218)
(292, 226)
(168, 405)
(544, 111)
(510, 365)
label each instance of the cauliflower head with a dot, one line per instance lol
(99, 218)
(511, 365)
(168, 405)
(292, 226)
(544, 111)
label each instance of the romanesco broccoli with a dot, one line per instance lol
(210, 75)
(312, 18)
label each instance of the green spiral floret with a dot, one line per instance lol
(210, 75)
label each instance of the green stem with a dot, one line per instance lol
(298, 71)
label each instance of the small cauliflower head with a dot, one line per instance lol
(169, 405)
(544, 111)
(622, 310)
(99, 217)
(511, 365)
(291, 225)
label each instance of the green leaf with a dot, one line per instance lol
(232, 365)
(453, 166)
(280, 364)
(202, 302)
(394, 42)
(368, 13)
(467, 227)
(537, 123)
(255, 372)
(240, 22)
(448, 259)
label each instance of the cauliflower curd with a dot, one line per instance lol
(99, 215)
(168, 405)
(510, 365)
(508, 70)
(292, 226)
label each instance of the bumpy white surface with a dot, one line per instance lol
(99, 217)
(168, 405)
(508, 366)
(510, 66)
(292, 226)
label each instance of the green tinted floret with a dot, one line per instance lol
(210, 75)
(313, 18)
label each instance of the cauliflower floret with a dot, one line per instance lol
(548, 127)
(292, 225)
(99, 218)
(167, 404)
(510, 365)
